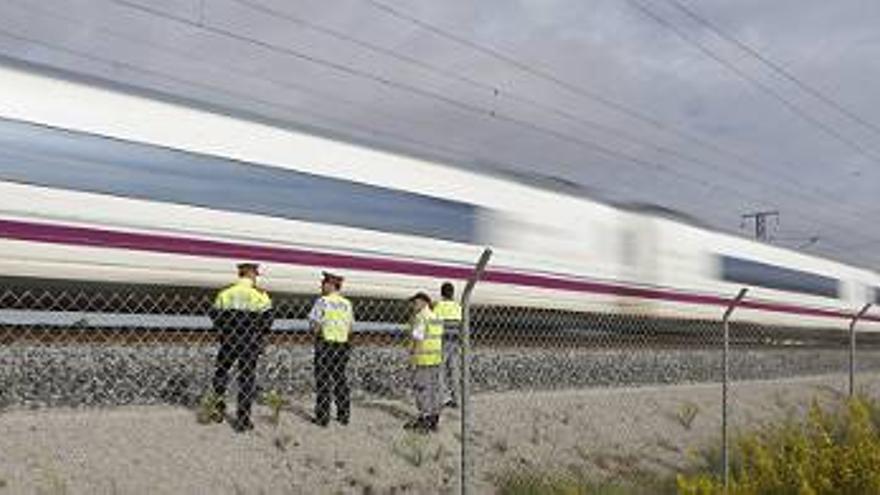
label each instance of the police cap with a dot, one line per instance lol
(333, 278)
(249, 266)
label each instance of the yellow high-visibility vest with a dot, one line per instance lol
(336, 319)
(447, 310)
(428, 351)
(243, 296)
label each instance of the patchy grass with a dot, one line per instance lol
(572, 483)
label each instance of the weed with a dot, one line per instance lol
(500, 445)
(276, 402)
(210, 409)
(281, 442)
(413, 449)
(686, 414)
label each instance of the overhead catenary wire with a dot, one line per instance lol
(483, 112)
(789, 183)
(296, 86)
(548, 76)
(430, 95)
(460, 155)
(793, 107)
(775, 67)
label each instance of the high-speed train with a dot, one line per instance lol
(105, 186)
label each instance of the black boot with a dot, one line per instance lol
(433, 422)
(242, 423)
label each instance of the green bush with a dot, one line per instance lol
(829, 452)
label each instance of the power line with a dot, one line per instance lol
(619, 133)
(593, 96)
(457, 155)
(791, 106)
(491, 89)
(541, 74)
(550, 77)
(775, 67)
(370, 131)
(467, 107)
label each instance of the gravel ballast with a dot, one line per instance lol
(88, 375)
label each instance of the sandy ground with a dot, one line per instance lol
(163, 450)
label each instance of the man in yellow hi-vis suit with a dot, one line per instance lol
(331, 320)
(242, 314)
(426, 356)
(449, 312)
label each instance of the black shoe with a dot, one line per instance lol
(342, 420)
(451, 404)
(242, 424)
(433, 423)
(322, 422)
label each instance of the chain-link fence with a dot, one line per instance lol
(139, 391)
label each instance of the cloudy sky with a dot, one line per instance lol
(711, 108)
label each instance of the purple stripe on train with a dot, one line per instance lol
(89, 236)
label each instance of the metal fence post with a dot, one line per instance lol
(852, 348)
(465, 375)
(725, 459)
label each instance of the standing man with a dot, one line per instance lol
(331, 319)
(426, 357)
(449, 311)
(242, 314)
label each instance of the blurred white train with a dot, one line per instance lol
(97, 185)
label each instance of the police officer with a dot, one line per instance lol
(426, 357)
(242, 315)
(449, 311)
(331, 319)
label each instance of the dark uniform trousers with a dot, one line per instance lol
(241, 340)
(331, 381)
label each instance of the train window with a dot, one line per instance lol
(876, 295)
(77, 161)
(748, 272)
